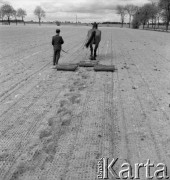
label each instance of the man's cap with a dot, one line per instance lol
(57, 30)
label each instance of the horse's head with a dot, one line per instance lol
(95, 25)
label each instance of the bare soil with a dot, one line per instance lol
(56, 125)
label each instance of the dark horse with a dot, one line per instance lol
(93, 38)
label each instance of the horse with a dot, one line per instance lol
(93, 38)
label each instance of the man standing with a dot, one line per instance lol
(57, 42)
(93, 37)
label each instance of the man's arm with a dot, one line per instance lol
(62, 41)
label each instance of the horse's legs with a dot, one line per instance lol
(95, 50)
(91, 49)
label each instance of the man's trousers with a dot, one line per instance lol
(56, 56)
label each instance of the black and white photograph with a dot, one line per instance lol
(84, 89)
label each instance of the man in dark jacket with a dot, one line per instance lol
(57, 42)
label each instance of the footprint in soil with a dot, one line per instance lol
(80, 86)
(37, 154)
(66, 122)
(21, 169)
(50, 147)
(62, 110)
(74, 98)
(64, 103)
(78, 83)
(51, 121)
(39, 159)
(65, 107)
(45, 133)
(72, 89)
(66, 118)
(84, 76)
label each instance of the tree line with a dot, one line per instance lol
(7, 12)
(151, 13)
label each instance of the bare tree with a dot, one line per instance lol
(21, 13)
(153, 11)
(155, 14)
(1, 15)
(131, 10)
(136, 22)
(39, 12)
(122, 12)
(7, 10)
(158, 16)
(15, 15)
(145, 14)
(165, 6)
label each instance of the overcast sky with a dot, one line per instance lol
(66, 10)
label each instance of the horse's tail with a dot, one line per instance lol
(93, 34)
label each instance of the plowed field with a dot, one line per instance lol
(56, 125)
